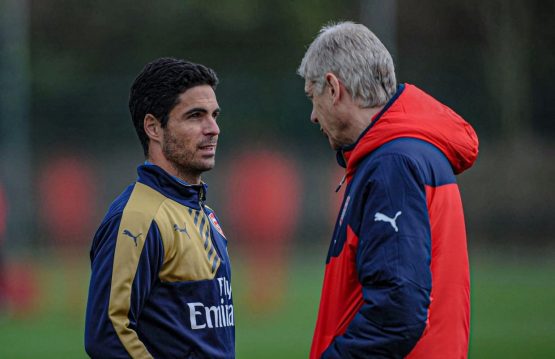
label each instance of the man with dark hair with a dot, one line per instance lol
(161, 279)
(397, 280)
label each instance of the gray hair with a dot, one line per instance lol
(357, 57)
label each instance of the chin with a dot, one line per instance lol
(334, 146)
(206, 166)
(195, 167)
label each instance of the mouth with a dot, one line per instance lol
(208, 149)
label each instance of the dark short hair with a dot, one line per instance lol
(157, 88)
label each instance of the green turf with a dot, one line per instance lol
(513, 311)
(513, 314)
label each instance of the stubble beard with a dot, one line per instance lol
(183, 159)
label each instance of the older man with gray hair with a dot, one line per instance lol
(397, 277)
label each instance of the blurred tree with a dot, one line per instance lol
(15, 121)
(507, 55)
(492, 61)
(85, 54)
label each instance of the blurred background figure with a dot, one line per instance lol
(3, 215)
(263, 201)
(19, 291)
(67, 186)
(67, 207)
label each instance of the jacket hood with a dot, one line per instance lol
(412, 113)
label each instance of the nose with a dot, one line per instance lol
(313, 117)
(212, 128)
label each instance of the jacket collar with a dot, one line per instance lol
(412, 113)
(345, 152)
(190, 195)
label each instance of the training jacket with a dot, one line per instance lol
(161, 279)
(397, 279)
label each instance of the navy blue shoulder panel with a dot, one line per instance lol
(119, 203)
(434, 167)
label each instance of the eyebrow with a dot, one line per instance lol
(199, 109)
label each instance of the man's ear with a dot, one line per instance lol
(334, 86)
(153, 128)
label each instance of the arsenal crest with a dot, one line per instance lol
(216, 224)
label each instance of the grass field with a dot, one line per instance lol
(513, 313)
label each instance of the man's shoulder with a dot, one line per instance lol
(137, 198)
(118, 205)
(135, 207)
(414, 155)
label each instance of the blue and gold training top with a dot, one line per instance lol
(161, 278)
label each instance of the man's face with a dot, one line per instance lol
(323, 114)
(191, 134)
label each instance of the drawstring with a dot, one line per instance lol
(341, 183)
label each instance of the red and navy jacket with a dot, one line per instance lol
(397, 278)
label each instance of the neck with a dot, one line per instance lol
(360, 119)
(174, 170)
(188, 177)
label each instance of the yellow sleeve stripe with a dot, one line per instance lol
(135, 222)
